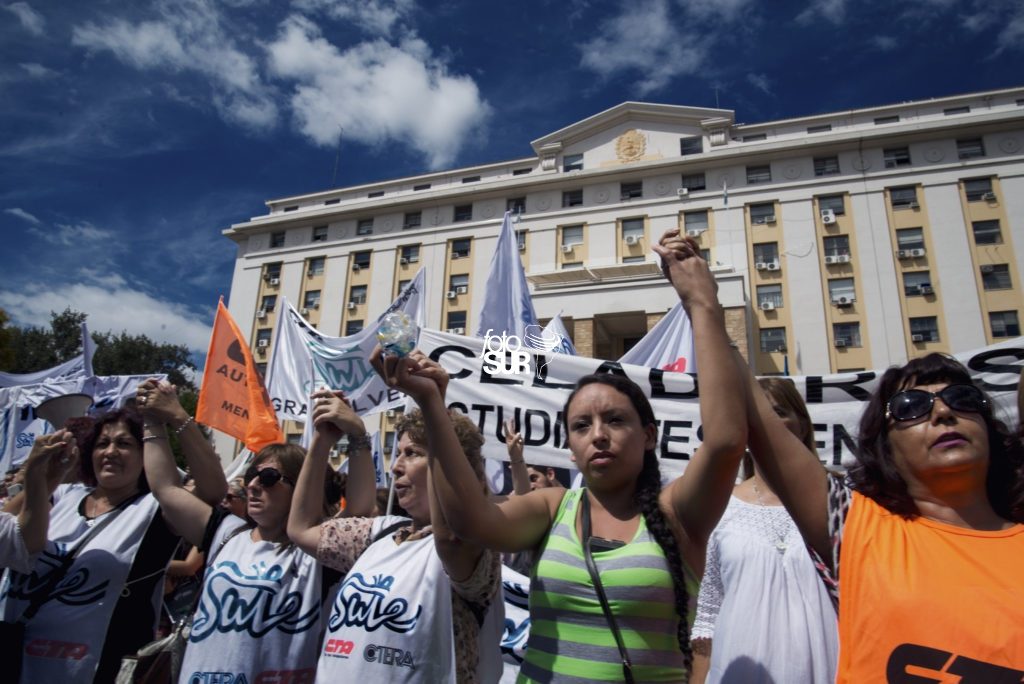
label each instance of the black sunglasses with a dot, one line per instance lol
(268, 477)
(914, 403)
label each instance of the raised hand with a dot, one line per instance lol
(53, 456)
(415, 374)
(513, 441)
(158, 402)
(683, 266)
(334, 417)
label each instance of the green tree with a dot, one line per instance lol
(6, 346)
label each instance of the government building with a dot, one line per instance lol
(841, 241)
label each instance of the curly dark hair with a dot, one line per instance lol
(875, 474)
(646, 497)
(132, 420)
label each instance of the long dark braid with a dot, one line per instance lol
(646, 496)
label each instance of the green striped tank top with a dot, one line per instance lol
(570, 640)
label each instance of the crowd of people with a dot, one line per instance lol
(906, 568)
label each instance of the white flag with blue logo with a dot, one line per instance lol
(508, 306)
(668, 345)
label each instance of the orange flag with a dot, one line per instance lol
(233, 398)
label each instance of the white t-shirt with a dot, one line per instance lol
(260, 615)
(13, 553)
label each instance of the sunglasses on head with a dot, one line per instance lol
(914, 403)
(268, 477)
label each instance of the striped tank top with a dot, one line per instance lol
(570, 640)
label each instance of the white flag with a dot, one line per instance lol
(668, 345)
(508, 306)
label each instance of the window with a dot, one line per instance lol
(633, 259)
(294, 207)
(705, 254)
(995, 277)
(411, 253)
(261, 368)
(846, 334)
(895, 157)
(978, 189)
(826, 166)
(773, 340)
(463, 212)
(456, 320)
(754, 137)
(316, 266)
(402, 284)
(759, 174)
(823, 128)
(691, 145)
(572, 235)
(413, 219)
(521, 172)
(375, 193)
(471, 179)
(950, 111)
(970, 148)
(364, 227)
(837, 203)
(277, 239)
(572, 198)
(987, 232)
(910, 238)
(769, 294)
(353, 327)
(311, 300)
(329, 202)
(268, 303)
(521, 240)
(263, 335)
(924, 329)
(319, 233)
(694, 221)
(903, 198)
(389, 442)
(273, 271)
(460, 248)
(841, 291)
(517, 205)
(1004, 324)
(569, 265)
(879, 120)
(361, 259)
(694, 181)
(762, 213)
(766, 252)
(837, 246)
(421, 186)
(357, 294)
(633, 227)
(913, 280)
(631, 190)
(459, 283)
(572, 162)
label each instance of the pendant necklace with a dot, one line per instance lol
(780, 543)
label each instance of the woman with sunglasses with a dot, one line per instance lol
(259, 613)
(923, 541)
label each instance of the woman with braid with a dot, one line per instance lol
(646, 543)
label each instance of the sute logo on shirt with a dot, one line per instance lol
(364, 603)
(339, 648)
(388, 655)
(255, 603)
(74, 589)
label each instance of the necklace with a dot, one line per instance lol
(780, 537)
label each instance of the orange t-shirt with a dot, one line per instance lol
(922, 601)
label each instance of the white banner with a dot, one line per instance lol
(668, 345)
(532, 389)
(343, 362)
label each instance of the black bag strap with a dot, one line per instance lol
(393, 527)
(595, 577)
(40, 597)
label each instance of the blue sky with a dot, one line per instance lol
(132, 133)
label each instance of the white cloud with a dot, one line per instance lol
(38, 70)
(761, 82)
(189, 37)
(375, 16)
(22, 214)
(666, 51)
(33, 21)
(115, 308)
(884, 43)
(376, 92)
(832, 11)
(82, 235)
(729, 10)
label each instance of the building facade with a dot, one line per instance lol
(842, 241)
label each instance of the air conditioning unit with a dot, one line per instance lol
(987, 268)
(391, 413)
(989, 197)
(633, 239)
(694, 232)
(772, 266)
(304, 311)
(925, 289)
(457, 331)
(356, 267)
(915, 253)
(350, 306)
(770, 218)
(761, 265)
(403, 261)
(262, 344)
(261, 314)
(462, 289)
(310, 274)
(828, 216)
(913, 205)
(522, 246)
(831, 260)
(682, 192)
(842, 300)
(917, 338)
(567, 249)
(840, 343)
(451, 294)
(843, 259)
(274, 281)
(767, 306)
